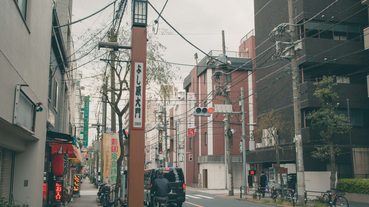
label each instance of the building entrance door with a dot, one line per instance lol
(205, 178)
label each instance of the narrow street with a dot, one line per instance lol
(88, 196)
(194, 198)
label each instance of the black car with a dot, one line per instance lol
(177, 185)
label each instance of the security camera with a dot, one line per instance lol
(39, 107)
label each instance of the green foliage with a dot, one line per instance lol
(360, 186)
(322, 152)
(326, 119)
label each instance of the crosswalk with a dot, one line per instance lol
(199, 196)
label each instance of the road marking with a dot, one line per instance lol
(192, 204)
(204, 196)
(191, 196)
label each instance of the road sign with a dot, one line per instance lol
(223, 108)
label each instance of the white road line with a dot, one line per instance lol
(204, 196)
(192, 204)
(191, 196)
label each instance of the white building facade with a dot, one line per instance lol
(24, 68)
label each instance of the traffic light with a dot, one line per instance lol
(252, 172)
(204, 111)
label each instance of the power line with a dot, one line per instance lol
(87, 16)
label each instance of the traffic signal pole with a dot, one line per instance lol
(227, 129)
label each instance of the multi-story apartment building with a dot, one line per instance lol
(158, 150)
(64, 118)
(24, 67)
(177, 130)
(205, 149)
(332, 44)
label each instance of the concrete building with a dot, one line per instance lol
(24, 67)
(177, 130)
(205, 145)
(332, 44)
(158, 148)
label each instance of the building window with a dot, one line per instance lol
(190, 143)
(22, 6)
(324, 30)
(55, 94)
(343, 79)
(206, 138)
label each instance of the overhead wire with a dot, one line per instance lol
(102, 9)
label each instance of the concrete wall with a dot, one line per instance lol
(216, 175)
(24, 59)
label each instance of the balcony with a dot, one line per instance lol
(356, 93)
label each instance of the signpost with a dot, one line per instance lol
(137, 105)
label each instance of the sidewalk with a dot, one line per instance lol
(88, 196)
(249, 197)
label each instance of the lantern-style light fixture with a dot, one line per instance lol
(139, 13)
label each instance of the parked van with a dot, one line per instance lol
(177, 185)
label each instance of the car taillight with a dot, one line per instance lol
(184, 186)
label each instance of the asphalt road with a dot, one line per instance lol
(194, 198)
(200, 199)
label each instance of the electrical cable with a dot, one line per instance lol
(71, 23)
(317, 14)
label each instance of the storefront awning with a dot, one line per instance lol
(59, 136)
(61, 143)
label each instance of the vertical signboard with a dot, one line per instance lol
(58, 191)
(111, 153)
(86, 111)
(137, 113)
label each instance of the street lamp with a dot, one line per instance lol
(139, 13)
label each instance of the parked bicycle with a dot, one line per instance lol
(330, 198)
(260, 192)
(287, 194)
(334, 199)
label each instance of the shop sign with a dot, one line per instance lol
(138, 95)
(76, 183)
(58, 191)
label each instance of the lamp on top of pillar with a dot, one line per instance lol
(139, 13)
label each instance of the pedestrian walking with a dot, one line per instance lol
(263, 180)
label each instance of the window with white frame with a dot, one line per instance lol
(22, 6)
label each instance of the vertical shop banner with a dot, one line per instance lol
(58, 191)
(111, 153)
(86, 111)
(138, 89)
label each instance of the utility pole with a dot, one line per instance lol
(104, 116)
(97, 152)
(112, 38)
(177, 142)
(165, 130)
(227, 129)
(244, 170)
(296, 104)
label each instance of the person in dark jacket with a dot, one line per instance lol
(161, 188)
(263, 183)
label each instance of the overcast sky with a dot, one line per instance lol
(201, 21)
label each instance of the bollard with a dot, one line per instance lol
(240, 191)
